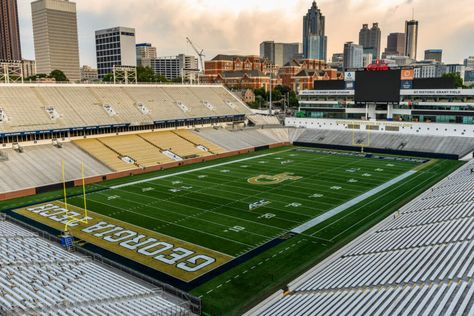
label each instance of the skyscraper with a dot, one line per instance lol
(10, 48)
(353, 56)
(370, 39)
(314, 38)
(395, 45)
(411, 32)
(145, 51)
(55, 37)
(115, 47)
(279, 53)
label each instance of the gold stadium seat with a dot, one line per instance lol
(176, 144)
(198, 140)
(104, 154)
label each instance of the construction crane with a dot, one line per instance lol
(199, 53)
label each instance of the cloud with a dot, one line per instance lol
(229, 26)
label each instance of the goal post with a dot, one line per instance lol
(75, 219)
(363, 141)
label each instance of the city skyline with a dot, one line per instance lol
(239, 28)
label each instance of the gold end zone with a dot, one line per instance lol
(177, 258)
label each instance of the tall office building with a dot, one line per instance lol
(353, 56)
(10, 48)
(395, 45)
(115, 47)
(279, 53)
(145, 51)
(411, 44)
(314, 38)
(55, 37)
(370, 39)
(434, 54)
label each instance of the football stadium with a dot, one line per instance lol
(180, 200)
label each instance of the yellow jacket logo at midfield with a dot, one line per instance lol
(278, 178)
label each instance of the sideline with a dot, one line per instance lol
(327, 215)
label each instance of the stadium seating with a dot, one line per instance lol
(414, 143)
(239, 139)
(102, 153)
(142, 152)
(40, 278)
(41, 165)
(174, 143)
(258, 119)
(419, 261)
(83, 105)
(199, 141)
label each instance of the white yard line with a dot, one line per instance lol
(317, 220)
(194, 170)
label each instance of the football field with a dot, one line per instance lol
(236, 207)
(241, 204)
(273, 213)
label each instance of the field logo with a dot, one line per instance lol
(267, 180)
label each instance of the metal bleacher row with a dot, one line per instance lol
(41, 165)
(83, 105)
(414, 143)
(258, 119)
(239, 139)
(146, 149)
(420, 261)
(39, 278)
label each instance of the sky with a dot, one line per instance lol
(238, 27)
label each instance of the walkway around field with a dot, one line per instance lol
(327, 215)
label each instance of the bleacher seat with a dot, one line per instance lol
(40, 278)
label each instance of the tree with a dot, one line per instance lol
(36, 77)
(145, 74)
(108, 78)
(458, 81)
(260, 92)
(58, 75)
(160, 78)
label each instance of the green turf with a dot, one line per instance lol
(210, 208)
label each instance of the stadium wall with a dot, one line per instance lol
(123, 174)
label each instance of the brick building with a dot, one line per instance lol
(253, 72)
(301, 73)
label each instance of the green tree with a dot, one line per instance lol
(458, 81)
(293, 99)
(260, 92)
(108, 78)
(145, 74)
(161, 78)
(36, 77)
(58, 75)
